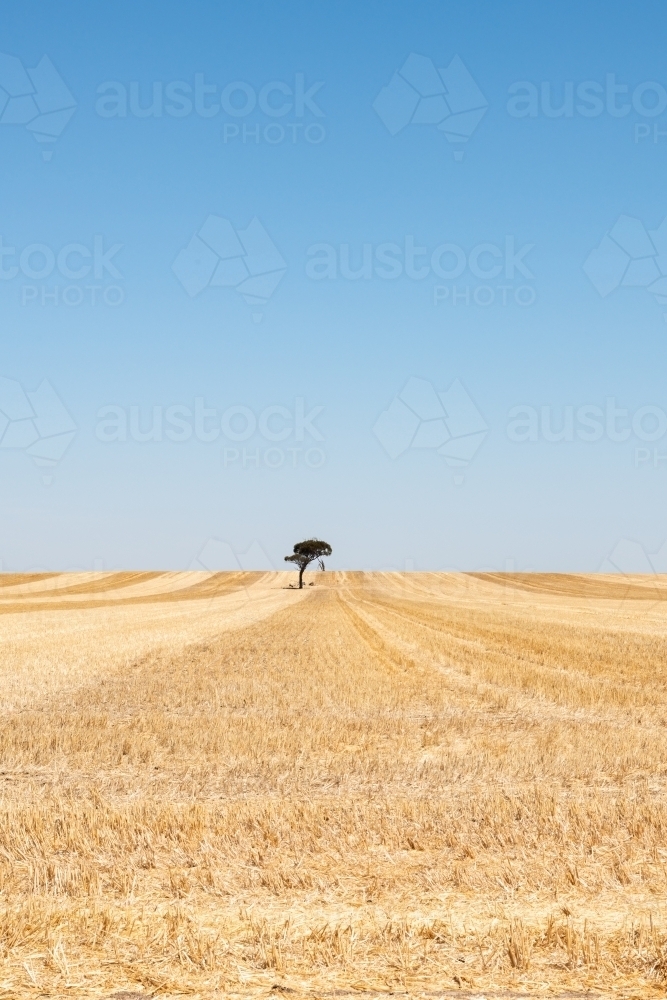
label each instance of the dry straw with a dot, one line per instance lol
(419, 784)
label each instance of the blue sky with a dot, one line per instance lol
(127, 233)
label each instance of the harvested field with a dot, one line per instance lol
(417, 784)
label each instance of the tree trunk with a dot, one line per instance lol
(301, 569)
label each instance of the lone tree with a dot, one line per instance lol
(307, 552)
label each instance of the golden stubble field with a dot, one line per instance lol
(418, 784)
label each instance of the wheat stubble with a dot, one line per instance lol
(420, 783)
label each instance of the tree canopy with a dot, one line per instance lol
(307, 552)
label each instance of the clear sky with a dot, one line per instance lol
(390, 274)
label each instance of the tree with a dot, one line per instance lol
(307, 552)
